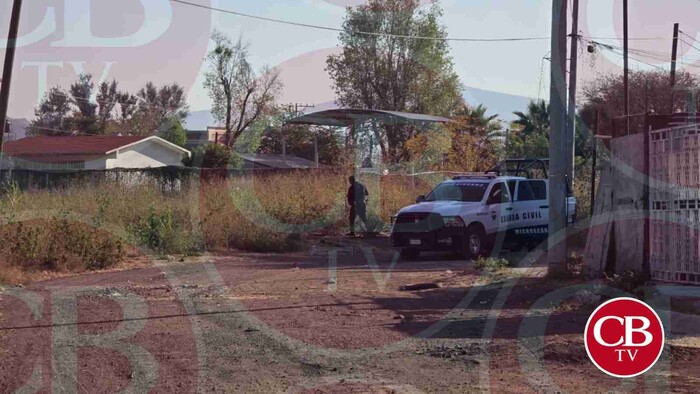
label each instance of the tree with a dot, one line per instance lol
(127, 105)
(476, 140)
(388, 71)
(113, 111)
(107, 96)
(209, 156)
(650, 92)
(172, 131)
(84, 120)
(536, 120)
(299, 138)
(156, 106)
(528, 136)
(51, 117)
(240, 95)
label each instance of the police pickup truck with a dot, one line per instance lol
(471, 213)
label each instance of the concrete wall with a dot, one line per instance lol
(148, 154)
(99, 164)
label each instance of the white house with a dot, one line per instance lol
(92, 153)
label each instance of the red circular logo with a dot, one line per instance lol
(624, 337)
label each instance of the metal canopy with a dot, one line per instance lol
(351, 117)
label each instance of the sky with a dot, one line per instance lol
(136, 41)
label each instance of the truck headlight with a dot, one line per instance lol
(453, 221)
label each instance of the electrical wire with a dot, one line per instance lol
(336, 29)
(691, 45)
(61, 131)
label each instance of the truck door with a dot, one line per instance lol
(532, 208)
(500, 208)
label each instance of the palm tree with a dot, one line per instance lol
(536, 120)
(476, 116)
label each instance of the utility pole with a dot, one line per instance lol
(674, 58)
(7, 68)
(557, 251)
(316, 149)
(573, 69)
(594, 165)
(625, 27)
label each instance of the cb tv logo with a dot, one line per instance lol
(624, 337)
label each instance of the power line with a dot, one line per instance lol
(61, 131)
(335, 29)
(631, 39)
(612, 49)
(691, 45)
(660, 56)
(688, 35)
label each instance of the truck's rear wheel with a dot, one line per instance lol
(476, 243)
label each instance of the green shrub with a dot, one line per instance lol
(209, 156)
(491, 264)
(165, 231)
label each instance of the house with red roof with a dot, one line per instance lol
(91, 153)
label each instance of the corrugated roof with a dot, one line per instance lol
(279, 161)
(83, 145)
(349, 117)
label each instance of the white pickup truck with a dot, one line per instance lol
(467, 215)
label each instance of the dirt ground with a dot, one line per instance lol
(334, 319)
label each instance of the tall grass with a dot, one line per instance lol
(90, 228)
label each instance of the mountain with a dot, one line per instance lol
(502, 104)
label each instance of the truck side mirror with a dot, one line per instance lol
(420, 199)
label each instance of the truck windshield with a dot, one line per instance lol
(466, 192)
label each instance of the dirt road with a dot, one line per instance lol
(330, 320)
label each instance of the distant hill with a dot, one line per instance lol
(502, 104)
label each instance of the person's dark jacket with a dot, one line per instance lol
(357, 193)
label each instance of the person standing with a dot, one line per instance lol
(357, 199)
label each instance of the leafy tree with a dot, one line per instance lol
(172, 131)
(84, 120)
(113, 111)
(650, 92)
(51, 117)
(428, 150)
(476, 140)
(391, 72)
(107, 96)
(127, 105)
(156, 106)
(209, 156)
(299, 138)
(240, 95)
(529, 134)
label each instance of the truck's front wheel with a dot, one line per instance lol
(475, 244)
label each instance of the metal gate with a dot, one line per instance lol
(674, 194)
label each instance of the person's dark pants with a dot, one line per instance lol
(355, 211)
